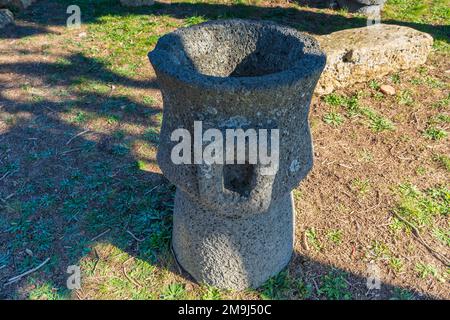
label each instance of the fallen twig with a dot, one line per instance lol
(100, 235)
(20, 276)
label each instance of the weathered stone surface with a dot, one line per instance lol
(362, 54)
(233, 226)
(6, 17)
(137, 3)
(367, 7)
(16, 4)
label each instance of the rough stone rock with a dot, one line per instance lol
(363, 54)
(6, 17)
(387, 89)
(233, 225)
(137, 3)
(367, 7)
(16, 4)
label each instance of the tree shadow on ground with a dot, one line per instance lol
(49, 13)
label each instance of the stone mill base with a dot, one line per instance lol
(232, 252)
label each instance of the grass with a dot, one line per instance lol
(422, 12)
(374, 85)
(194, 20)
(149, 100)
(375, 121)
(152, 135)
(335, 100)
(405, 97)
(80, 117)
(395, 78)
(46, 291)
(284, 286)
(420, 208)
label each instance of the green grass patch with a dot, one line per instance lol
(333, 118)
(402, 294)
(46, 291)
(313, 238)
(282, 286)
(435, 133)
(443, 161)
(442, 235)
(194, 20)
(211, 293)
(335, 236)
(174, 291)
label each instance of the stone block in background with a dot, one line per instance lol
(362, 54)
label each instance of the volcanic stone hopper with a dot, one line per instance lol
(233, 222)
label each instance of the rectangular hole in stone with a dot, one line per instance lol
(239, 178)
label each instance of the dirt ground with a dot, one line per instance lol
(80, 112)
